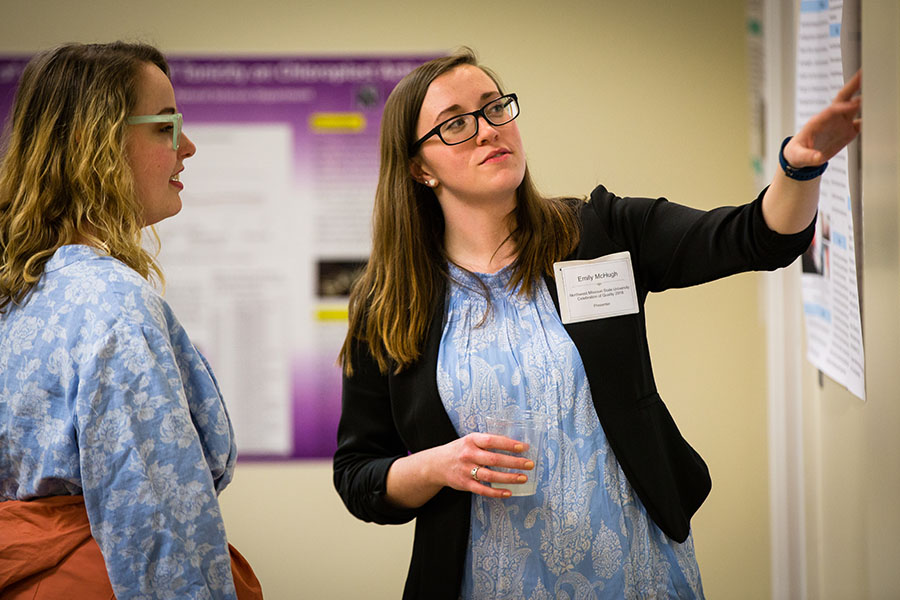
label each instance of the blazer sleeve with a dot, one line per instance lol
(677, 246)
(368, 443)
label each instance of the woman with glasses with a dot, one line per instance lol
(480, 296)
(114, 440)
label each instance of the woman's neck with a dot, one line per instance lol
(477, 236)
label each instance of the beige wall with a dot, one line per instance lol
(665, 83)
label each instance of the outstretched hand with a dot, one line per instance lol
(826, 133)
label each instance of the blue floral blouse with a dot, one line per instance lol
(103, 394)
(584, 534)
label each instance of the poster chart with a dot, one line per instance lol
(274, 227)
(830, 292)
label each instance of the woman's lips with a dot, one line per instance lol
(495, 156)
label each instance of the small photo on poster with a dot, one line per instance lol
(335, 278)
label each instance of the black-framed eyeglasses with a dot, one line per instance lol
(463, 128)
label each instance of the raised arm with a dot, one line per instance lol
(790, 204)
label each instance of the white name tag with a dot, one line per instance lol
(596, 289)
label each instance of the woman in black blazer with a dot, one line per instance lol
(470, 264)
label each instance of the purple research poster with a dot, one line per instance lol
(274, 227)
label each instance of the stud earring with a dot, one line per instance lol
(431, 183)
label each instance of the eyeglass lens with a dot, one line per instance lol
(177, 124)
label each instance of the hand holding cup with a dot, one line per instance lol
(529, 428)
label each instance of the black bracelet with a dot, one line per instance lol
(803, 173)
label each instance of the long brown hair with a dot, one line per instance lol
(392, 303)
(64, 177)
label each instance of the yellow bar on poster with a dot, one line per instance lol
(337, 122)
(331, 314)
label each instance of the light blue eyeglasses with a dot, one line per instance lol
(175, 119)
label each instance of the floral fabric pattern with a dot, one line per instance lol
(584, 534)
(102, 394)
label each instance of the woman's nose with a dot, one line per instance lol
(186, 147)
(486, 131)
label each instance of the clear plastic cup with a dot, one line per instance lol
(527, 427)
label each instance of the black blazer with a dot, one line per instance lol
(385, 417)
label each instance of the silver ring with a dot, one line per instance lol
(475, 473)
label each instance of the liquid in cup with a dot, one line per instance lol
(529, 428)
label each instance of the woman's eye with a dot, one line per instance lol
(167, 129)
(455, 124)
(495, 110)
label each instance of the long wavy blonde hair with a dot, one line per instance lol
(392, 303)
(64, 177)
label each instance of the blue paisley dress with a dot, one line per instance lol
(584, 534)
(103, 395)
